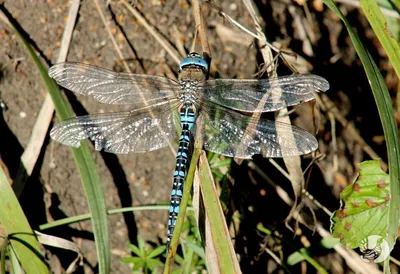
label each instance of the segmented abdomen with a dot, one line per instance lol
(182, 164)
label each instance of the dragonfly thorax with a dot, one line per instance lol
(189, 91)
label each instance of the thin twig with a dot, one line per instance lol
(241, 27)
(121, 56)
(293, 164)
(328, 106)
(200, 28)
(39, 130)
(352, 259)
(164, 43)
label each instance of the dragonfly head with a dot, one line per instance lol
(194, 60)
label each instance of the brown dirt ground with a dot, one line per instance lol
(136, 179)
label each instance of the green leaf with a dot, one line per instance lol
(130, 260)
(329, 242)
(295, 258)
(199, 250)
(138, 264)
(83, 159)
(135, 250)
(219, 240)
(301, 255)
(20, 237)
(153, 263)
(385, 109)
(217, 163)
(380, 27)
(157, 251)
(365, 206)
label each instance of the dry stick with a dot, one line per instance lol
(240, 26)
(39, 131)
(198, 192)
(353, 260)
(351, 257)
(164, 43)
(200, 28)
(106, 24)
(133, 53)
(121, 56)
(268, 59)
(328, 106)
(335, 160)
(302, 32)
(178, 41)
(278, 189)
(293, 164)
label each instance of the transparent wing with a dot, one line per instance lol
(236, 135)
(111, 87)
(120, 132)
(245, 95)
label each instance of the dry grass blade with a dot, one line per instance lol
(327, 105)
(121, 56)
(220, 254)
(165, 44)
(39, 131)
(228, 35)
(200, 28)
(293, 164)
(63, 244)
(351, 257)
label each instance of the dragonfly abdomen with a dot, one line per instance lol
(187, 116)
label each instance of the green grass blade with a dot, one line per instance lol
(219, 239)
(84, 217)
(385, 109)
(380, 27)
(182, 210)
(20, 235)
(84, 161)
(95, 196)
(14, 264)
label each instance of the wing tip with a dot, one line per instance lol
(53, 70)
(59, 134)
(321, 83)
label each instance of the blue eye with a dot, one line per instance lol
(194, 59)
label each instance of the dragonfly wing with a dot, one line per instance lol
(120, 132)
(276, 93)
(236, 135)
(111, 87)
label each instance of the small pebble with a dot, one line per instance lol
(22, 114)
(52, 164)
(233, 6)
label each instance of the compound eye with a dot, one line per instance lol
(194, 59)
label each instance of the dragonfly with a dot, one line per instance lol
(226, 108)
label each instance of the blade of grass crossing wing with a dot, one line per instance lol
(382, 31)
(84, 161)
(385, 109)
(20, 236)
